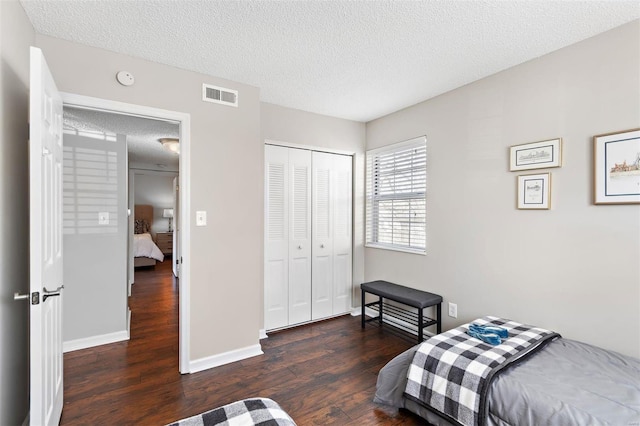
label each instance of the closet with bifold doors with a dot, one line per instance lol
(307, 241)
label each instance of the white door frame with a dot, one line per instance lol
(87, 102)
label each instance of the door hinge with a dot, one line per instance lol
(35, 298)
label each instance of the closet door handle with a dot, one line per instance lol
(321, 245)
(299, 247)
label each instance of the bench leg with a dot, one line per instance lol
(380, 306)
(420, 325)
(362, 316)
(439, 318)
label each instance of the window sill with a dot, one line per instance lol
(421, 252)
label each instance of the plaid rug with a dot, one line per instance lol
(253, 411)
(451, 372)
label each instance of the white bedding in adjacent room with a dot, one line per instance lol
(143, 246)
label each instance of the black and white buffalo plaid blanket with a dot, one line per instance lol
(451, 372)
(253, 411)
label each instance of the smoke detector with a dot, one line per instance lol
(125, 78)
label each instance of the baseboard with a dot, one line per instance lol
(262, 334)
(356, 312)
(89, 342)
(128, 323)
(224, 358)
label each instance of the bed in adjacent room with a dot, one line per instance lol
(553, 381)
(145, 250)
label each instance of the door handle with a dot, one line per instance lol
(18, 296)
(46, 296)
(46, 293)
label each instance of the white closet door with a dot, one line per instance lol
(276, 268)
(299, 236)
(341, 197)
(322, 236)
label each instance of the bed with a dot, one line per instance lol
(251, 411)
(559, 382)
(145, 250)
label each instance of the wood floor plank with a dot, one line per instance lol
(322, 373)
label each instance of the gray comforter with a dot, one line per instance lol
(565, 383)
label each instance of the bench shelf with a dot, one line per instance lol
(399, 317)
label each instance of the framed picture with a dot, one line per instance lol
(536, 155)
(534, 191)
(616, 167)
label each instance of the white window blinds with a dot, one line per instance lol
(396, 196)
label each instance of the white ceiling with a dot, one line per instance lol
(352, 59)
(142, 134)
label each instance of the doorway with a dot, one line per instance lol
(181, 122)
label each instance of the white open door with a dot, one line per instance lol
(45, 185)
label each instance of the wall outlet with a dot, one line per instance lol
(453, 310)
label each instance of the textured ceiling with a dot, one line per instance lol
(142, 134)
(352, 59)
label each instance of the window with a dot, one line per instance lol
(396, 196)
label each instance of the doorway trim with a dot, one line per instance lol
(184, 119)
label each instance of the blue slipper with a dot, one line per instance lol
(500, 331)
(490, 338)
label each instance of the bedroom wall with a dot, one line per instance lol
(95, 256)
(281, 124)
(156, 189)
(16, 35)
(226, 160)
(574, 268)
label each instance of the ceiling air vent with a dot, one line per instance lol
(219, 95)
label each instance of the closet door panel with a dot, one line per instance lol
(275, 295)
(342, 233)
(300, 292)
(341, 284)
(322, 236)
(321, 287)
(276, 267)
(299, 236)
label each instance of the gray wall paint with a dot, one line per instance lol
(574, 268)
(320, 131)
(473, 259)
(226, 160)
(156, 189)
(16, 35)
(95, 256)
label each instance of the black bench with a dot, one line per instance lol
(407, 296)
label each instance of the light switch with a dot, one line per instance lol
(201, 218)
(103, 218)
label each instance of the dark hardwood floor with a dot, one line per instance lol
(324, 373)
